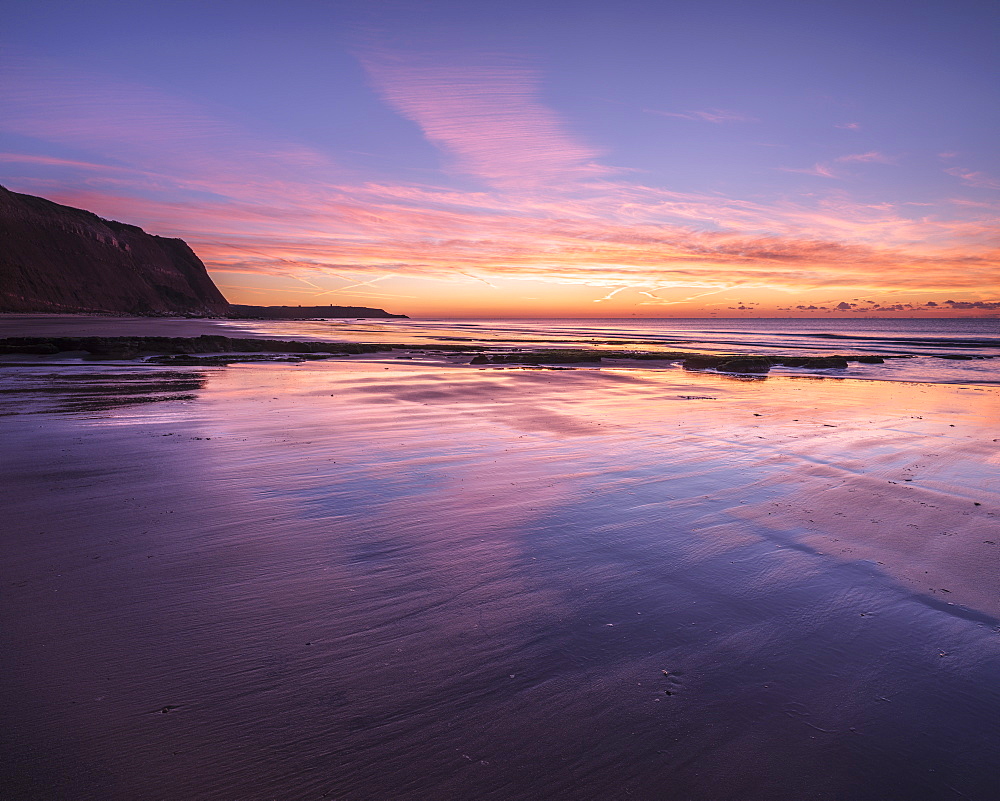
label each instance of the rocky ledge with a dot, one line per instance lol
(186, 350)
(742, 363)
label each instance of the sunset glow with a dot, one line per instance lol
(449, 164)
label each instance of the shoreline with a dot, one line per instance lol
(216, 349)
(494, 344)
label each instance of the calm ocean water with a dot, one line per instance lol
(886, 335)
(929, 343)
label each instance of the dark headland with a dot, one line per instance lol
(57, 259)
(241, 311)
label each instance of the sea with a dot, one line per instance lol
(950, 351)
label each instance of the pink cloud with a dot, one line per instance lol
(488, 118)
(249, 206)
(129, 127)
(872, 156)
(619, 236)
(978, 179)
(848, 126)
(819, 170)
(53, 161)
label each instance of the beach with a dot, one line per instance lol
(401, 575)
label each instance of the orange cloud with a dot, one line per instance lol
(550, 212)
(603, 240)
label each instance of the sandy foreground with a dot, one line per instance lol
(375, 578)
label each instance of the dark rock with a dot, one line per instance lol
(829, 361)
(567, 356)
(703, 362)
(42, 348)
(554, 356)
(811, 361)
(480, 359)
(745, 366)
(814, 361)
(869, 359)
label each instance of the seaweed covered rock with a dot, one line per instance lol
(821, 362)
(37, 348)
(829, 361)
(745, 366)
(554, 356)
(701, 362)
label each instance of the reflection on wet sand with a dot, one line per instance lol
(31, 392)
(375, 580)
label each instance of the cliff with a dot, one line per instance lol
(56, 258)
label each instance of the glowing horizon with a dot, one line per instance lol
(492, 183)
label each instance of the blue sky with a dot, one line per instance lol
(530, 158)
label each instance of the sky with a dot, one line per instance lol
(530, 158)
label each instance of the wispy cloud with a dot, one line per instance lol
(872, 156)
(973, 178)
(714, 115)
(128, 127)
(848, 126)
(658, 301)
(551, 213)
(589, 241)
(489, 119)
(611, 294)
(76, 164)
(819, 170)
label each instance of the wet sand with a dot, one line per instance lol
(385, 579)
